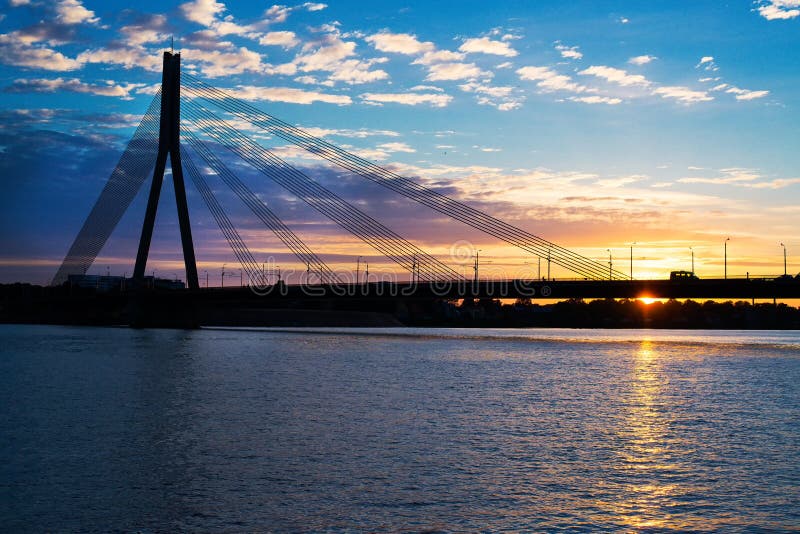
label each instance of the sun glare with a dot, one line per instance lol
(647, 300)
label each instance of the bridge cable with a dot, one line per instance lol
(356, 222)
(319, 197)
(125, 181)
(558, 255)
(240, 250)
(529, 242)
(262, 211)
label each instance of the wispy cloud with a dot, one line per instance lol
(642, 60)
(568, 52)
(615, 75)
(286, 94)
(779, 9)
(484, 45)
(682, 94)
(72, 85)
(399, 43)
(438, 100)
(549, 80)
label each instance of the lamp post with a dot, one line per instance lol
(632, 259)
(784, 259)
(548, 264)
(241, 278)
(725, 261)
(690, 248)
(358, 267)
(366, 272)
(477, 256)
(223, 274)
(610, 263)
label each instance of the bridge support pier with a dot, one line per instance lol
(168, 145)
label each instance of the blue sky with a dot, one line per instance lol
(593, 124)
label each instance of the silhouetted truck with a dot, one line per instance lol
(682, 276)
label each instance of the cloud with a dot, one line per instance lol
(73, 85)
(729, 176)
(744, 94)
(682, 94)
(427, 88)
(617, 76)
(454, 71)
(396, 147)
(778, 183)
(620, 181)
(16, 53)
(399, 43)
(594, 99)
(641, 60)
(361, 133)
(202, 11)
(214, 63)
(484, 45)
(707, 63)
(779, 9)
(314, 6)
(501, 97)
(287, 94)
(550, 80)
(409, 99)
(286, 39)
(73, 12)
(568, 52)
(439, 56)
(331, 54)
(150, 29)
(126, 57)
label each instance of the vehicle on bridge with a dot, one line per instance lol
(682, 276)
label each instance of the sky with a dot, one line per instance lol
(664, 126)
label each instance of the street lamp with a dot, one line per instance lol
(632, 259)
(690, 248)
(548, 263)
(358, 267)
(477, 256)
(726, 257)
(223, 274)
(784, 259)
(610, 263)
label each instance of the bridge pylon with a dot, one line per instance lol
(168, 145)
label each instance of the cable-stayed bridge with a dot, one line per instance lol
(186, 122)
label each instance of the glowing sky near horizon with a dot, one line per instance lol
(593, 124)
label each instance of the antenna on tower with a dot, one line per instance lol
(172, 44)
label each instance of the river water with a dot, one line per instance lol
(106, 429)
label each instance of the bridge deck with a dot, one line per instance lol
(753, 288)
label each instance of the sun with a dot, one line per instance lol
(647, 300)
